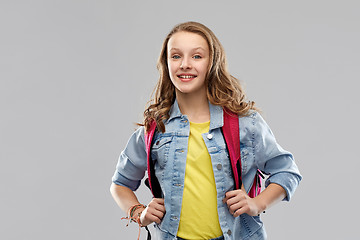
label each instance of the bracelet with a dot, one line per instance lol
(133, 208)
(131, 217)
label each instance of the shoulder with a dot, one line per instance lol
(254, 126)
(137, 139)
(140, 132)
(253, 118)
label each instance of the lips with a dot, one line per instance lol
(186, 77)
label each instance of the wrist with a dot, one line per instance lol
(138, 212)
(135, 212)
(261, 205)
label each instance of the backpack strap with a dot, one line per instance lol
(256, 188)
(152, 182)
(231, 134)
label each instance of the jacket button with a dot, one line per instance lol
(219, 166)
(229, 232)
(209, 136)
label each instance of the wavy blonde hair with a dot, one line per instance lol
(223, 89)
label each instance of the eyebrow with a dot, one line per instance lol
(194, 49)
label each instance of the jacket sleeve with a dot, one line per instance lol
(272, 159)
(132, 162)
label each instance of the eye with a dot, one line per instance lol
(175, 57)
(197, 57)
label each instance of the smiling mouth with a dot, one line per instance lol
(187, 76)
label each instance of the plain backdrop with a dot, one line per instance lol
(76, 76)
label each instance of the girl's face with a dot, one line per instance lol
(188, 62)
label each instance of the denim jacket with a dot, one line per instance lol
(259, 150)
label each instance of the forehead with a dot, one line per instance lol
(187, 41)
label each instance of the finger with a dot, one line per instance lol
(239, 198)
(230, 194)
(241, 210)
(158, 206)
(154, 205)
(233, 208)
(161, 208)
(238, 205)
(149, 218)
(157, 213)
(159, 200)
(157, 203)
(151, 215)
(234, 196)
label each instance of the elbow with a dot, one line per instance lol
(113, 189)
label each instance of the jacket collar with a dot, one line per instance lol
(216, 114)
(174, 111)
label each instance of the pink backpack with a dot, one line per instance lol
(231, 134)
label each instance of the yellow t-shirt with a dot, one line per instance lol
(199, 217)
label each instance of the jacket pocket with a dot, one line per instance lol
(251, 225)
(160, 150)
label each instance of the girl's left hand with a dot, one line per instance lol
(239, 202)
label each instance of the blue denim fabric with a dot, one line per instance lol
(259, 150)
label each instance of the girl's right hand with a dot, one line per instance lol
(154, 212)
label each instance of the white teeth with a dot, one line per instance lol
(186, 76)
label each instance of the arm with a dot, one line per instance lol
(271, 159)
(239, 201)
(123, 196)
(130, 170)
(126, 198)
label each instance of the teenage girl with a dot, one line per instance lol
(191, 159)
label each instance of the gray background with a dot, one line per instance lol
(76, 75)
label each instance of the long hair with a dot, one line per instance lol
(223, 89)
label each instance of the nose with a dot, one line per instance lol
(185, 64)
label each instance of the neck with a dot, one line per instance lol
(194, 106)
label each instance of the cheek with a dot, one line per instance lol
(204, 69)
(172, 73)
(172, 68)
